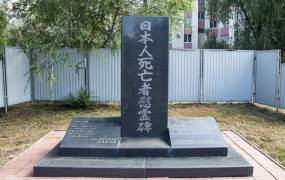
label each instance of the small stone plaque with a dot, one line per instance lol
(144, 76)
(201, 135)
(90, 134)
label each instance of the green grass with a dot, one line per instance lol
(281, 156)
(26, 123)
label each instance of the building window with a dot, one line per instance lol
(213, 23)
(225, 38)
(201, 15)
(201, 30)
(187, 37)
(188, 21)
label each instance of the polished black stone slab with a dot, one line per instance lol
(144, 66)
(87, 136)
(198, 136)
(100, 137)
(54, 165)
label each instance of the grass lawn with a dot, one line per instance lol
(26, 123)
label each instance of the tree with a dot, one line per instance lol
(83, 24)
(213, 43)
(260, 24)
(3, 25)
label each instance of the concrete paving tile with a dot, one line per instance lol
(264, 178)
(275, 170)
(265, 161)
(281, 177)
(260, 172)
(7, 172)
(25, 172)
(46, 143)
(20, 178)
(243, 178)
(17, 163)
(59, 134)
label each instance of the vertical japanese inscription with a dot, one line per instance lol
(144, 92)
(145, 67)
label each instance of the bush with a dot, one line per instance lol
(213, 43)
(82, 100)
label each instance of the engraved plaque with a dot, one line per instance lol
(92, 132)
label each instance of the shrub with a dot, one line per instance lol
(81, 100)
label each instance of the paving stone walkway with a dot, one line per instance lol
(21, 168)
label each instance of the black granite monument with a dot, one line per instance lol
(143, 142)
(144, 76)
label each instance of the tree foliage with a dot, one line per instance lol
(213, 43)
(83, 24)
(49, 24)
(3, 25)
(260, 24)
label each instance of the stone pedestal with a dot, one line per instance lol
(93, 146)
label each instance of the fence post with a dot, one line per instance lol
(253, 98)
(201, 76)
(86, 71)
(5, 80)
(32, 79)
(278, 79)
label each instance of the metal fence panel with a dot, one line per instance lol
(105, 74)
(68, 80)
(266, 74)
(227, 76)
(17, 74)
(184, 73)
(1, 86)
(282, 89)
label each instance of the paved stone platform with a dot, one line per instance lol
(21, 168)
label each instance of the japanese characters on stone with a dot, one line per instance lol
(145, 74)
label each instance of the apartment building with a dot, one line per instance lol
(192, 33)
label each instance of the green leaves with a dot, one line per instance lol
(83, 24)
(259, 24)
(50, 24)
(3, 25)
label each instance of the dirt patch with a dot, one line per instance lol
(26, 123)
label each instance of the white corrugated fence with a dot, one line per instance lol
(267, 67)
(194, 76)
(68, 80)
(105, 75)
(282, 87)
(17, 76)
(227, 75)
(2, 104)
(184, 76)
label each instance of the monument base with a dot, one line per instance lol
(101, 137)
(232, 165)
(192, 147)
